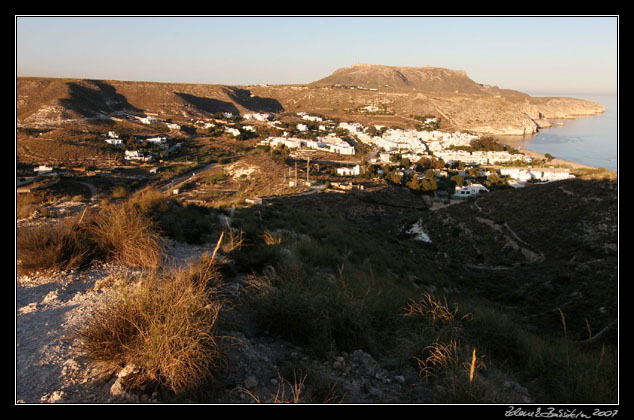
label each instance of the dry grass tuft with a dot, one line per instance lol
(438, 356)
(54, 246)
(127, 236)
(287, 392)
(234, 239)
(272, 238)
(430, 307)
(122, 233)
(162, 325)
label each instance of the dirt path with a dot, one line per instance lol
(49, 367)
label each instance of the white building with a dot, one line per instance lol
(173, 126)
(312, 118)
(43, 169)
(349, 171)
(537, 174)
(257, 116)
(148, 120)
(115, 142)
(470, 190)
(352, 127)
(159, 141)
(340, 147)
(232, 131)
(136, 155)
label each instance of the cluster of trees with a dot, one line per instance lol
(427, 167)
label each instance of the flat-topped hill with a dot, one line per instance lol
(399, 78)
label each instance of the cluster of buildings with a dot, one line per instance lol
(152, 119)
(161, 141)
(258, 116)
(479, 157)
(330, 143)
(407, 143)
(537, 174)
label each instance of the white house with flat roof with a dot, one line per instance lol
(136, 155)
(356, 170)
(470, 190)
(537, 174)
(43, 169)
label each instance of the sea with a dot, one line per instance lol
(590, 140)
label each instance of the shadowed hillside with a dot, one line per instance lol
(208, 105)
(248, 100)
(93, 97)
(539, 249)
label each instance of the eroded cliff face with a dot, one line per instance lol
(510, 116)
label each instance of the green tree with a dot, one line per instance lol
(394, 177)
(458, 179)
(429, 184)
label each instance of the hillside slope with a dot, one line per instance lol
(400, 92)
(42, 101)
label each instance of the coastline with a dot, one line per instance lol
(556, 161)
(590, 139)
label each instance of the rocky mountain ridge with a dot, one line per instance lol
(459, 102)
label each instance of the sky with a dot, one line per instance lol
(538, 54)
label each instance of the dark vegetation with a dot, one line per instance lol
(339, 272)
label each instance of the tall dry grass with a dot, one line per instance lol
(123, 233)
(54, 246)
(126, 236)
(431, 307)
(164, 325)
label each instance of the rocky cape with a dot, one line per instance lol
(399, 93)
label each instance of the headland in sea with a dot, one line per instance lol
(583, 142)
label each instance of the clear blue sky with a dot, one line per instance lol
(533, 54)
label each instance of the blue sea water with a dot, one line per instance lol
(590, 140)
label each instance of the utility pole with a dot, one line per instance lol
(308, 170)
(295, 174)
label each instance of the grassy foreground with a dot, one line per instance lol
(319, 277)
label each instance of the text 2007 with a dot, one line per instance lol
(599, 413)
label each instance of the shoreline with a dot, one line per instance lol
(512, 141)
(555, 161)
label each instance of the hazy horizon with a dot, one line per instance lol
(557, 55)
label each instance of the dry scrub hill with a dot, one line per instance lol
(400, 92)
